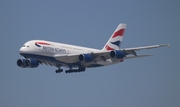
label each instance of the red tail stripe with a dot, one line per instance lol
(109, 48)
(118, 33)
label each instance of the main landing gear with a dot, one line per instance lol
(76, 70)
(59, 70)
(82, 69)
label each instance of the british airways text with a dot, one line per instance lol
(45, 48)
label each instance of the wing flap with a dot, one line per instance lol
(130, 57)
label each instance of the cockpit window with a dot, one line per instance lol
(25, 46)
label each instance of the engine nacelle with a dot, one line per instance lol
(117, 54)
(31, 63)
(85, 58)
(27, 63)
(20, 63)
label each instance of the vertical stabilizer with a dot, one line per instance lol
(116, 38)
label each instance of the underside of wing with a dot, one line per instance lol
(133, 50)
(101, 57)
(146, 47)
(126, 53)
(69, 58)
(130, 57)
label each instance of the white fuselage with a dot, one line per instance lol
(41, 49)
(53, 48)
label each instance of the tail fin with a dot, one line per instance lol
(115, 40)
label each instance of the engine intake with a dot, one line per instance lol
(85, 58)
(20, 63)
(117, 54)
(27, 63)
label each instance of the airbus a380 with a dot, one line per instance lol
(77, 58)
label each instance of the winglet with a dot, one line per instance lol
(169, 45)
(162, 45)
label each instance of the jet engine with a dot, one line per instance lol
(20, 63)
(27, 63)
(85, 58)
(117, 54)
(31, 63)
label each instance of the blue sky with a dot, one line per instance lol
(143, 82)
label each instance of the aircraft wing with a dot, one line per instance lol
(69, 58)
(128, 51)
(132, 50)
(147, 47)
(105, 55)
(74, 58)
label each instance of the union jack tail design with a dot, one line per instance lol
(116, 38)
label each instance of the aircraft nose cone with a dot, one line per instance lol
(22, 50)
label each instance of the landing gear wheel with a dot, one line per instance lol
(59, 71)
(76, 70)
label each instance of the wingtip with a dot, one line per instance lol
(169, 45)
(162, 45)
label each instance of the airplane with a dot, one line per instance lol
(78, 58)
